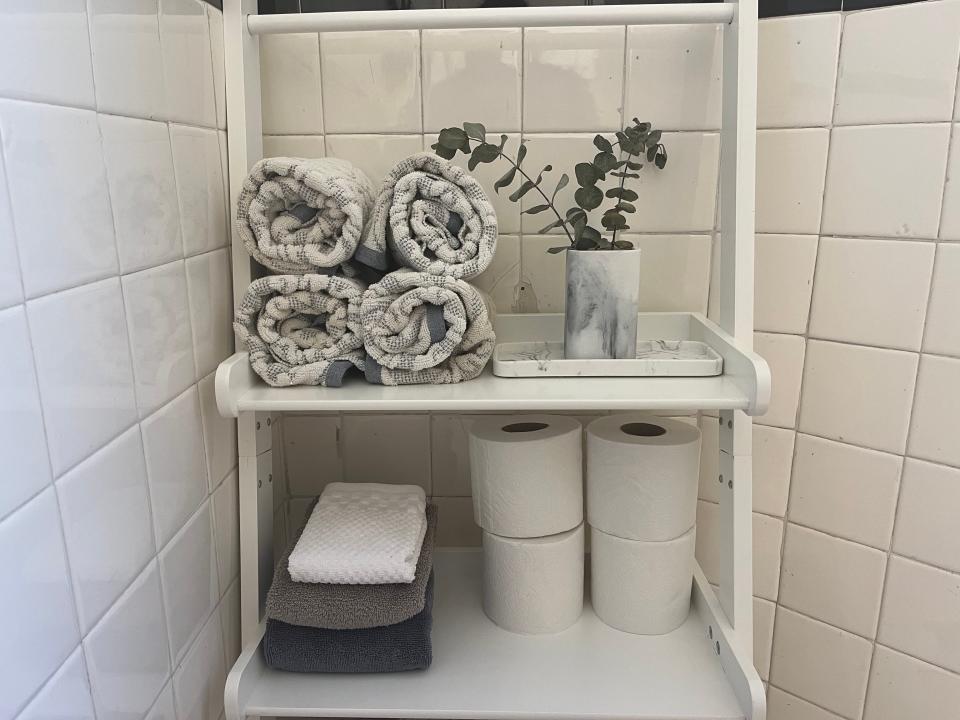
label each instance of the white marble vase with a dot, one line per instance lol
(603, 289)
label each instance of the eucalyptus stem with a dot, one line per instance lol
(536, 186)
(623, 178)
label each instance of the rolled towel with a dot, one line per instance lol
(302, 329)
(351, 607)
(432, 217)
(392, 648)
(297, 215)
(362, 533)
(424, 329)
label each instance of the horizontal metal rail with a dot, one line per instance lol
(658, 14)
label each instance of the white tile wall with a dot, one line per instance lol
(105, 435)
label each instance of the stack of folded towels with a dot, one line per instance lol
(354, 591)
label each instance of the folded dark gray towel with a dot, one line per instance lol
(350, 607)
(392, 648)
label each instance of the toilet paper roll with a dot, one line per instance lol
(642, 475)
(638, 586)
(526, 475)
(533, 585)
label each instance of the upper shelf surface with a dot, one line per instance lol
(745, 384)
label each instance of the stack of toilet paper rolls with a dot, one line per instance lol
(642, 475)
(526, 477)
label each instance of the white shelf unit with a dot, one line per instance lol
(702, 670)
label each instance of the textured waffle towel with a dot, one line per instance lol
(433, 217)
(351, 607)
(297, 215)
(393, 648)
(362, 533)
(424, 329)
(302, 329)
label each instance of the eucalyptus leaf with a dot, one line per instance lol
(588, 197)
(626, 207)
(444, 152)
(660, 160)
(555, 250)
(561, 183)
(536, 209)
(623, 245)
(524, 188)
(651, 153)
(521, 153)
(587, 174)
(605, 161)
(633, 165)
(551, 226)
(625, 175)
(475, 130)
(654, 137)
(602, 144)
(505, 180)
(614, 221)
(453, 139)
(628, 195)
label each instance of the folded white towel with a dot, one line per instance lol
(362, 534)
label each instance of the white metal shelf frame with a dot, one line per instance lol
(728, 619)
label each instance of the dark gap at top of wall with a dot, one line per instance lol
(218, 4)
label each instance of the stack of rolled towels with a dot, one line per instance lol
(354, 591)
(369, 280)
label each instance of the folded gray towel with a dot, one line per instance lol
(433, 217)
(350, 607)
(391, 648)
(424, 329)
(297, 215)
(302, 329)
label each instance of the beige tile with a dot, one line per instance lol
(709, 458)
(542, 275)
(708, 541)
(950, 217)
(290, 85)
(763, 612)
(903, 688)
(833, 580)
(455, 526)
(858, 394)
(304, 146)
(928, 514)
(767, 543)
(451, 453)
(772, 459)
(674, 272)
(921, 605)
(942, 331)
(819, 662)
(801, 156)
(784, 354)
(871, 292)
(311, 450)
(501, 278)
(933, 427)
(784, 706)
(387, 449)
(374, 154)
(783, 279)
(845, 490)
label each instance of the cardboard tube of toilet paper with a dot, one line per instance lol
(638, 586)
(642, 476)
(533, 585)
(526, 475)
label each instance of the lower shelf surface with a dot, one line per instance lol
(589, 671)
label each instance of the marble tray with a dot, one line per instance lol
(655, 358)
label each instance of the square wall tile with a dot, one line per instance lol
(198, 682)
(66, 695)
(290, 84)
(305, 146)
(783, 280)
(790, 206)
(873, 191)
(127, 62)
(784, 706)
(219, 434)
(143, 191)
(23, 444)
(105, 508)
(371, 81)
(797, 70)
(376, 155)
(674, 271)
(35, 594)
(450, 449)
(772, 457)
(311, 449)
(572, 79)
(472, 76)
(83, 365)
(763, 614)
(912, 79)
(173, 446)
(200, 188)
(188, 573)
(832, 580)
(402, 444)
(76, 231)
(187, 62)
(767, 546)
(950, 217)
(942, 331)
(871, 292)
(127, 652)
(30, 30)
(508, 212)
(845, 490)
(920, 609)
(11, 288)
(927, 514)
(160, 341)
(226, 525)
(211, 308)
(784, 354)
(457, 528)
(822, 663)
(674, 76)
(501, 278)
(933, 427)
(903, 688)
(542, 275)
(858, 394)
